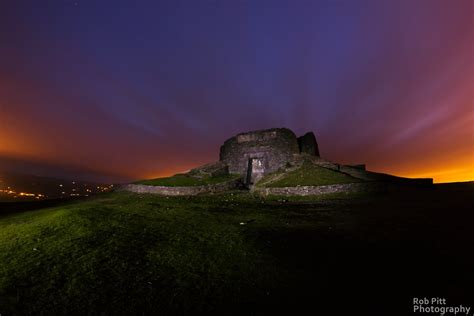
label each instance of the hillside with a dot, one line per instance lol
(306, 174)
(236, 253)
(182, 180)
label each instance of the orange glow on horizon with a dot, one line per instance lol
(402, 104)
(442, 171)
(445, 176)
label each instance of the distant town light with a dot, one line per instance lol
(26, 194)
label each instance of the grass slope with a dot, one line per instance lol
(179, 180)
(127, 252)
(311, 175)
(123, 253)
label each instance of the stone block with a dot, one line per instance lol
(307, 144)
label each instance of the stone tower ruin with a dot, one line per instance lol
(253, 154)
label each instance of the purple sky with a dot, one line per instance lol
(134, 89)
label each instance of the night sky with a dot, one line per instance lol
(138, 89)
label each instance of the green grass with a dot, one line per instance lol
(311, 175)
(134, 252)
(187, 180)
(123, 252)
(233, 253)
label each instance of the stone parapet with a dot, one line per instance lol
(322, 189)
(178, 191)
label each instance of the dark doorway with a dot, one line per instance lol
(255, 170)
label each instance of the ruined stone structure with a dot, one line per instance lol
(324, 189)
(178, 191)
(256, 153)
(307, 144)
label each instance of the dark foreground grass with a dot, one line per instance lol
(180, 180)
(123, 253)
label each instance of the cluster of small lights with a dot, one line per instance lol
(15, 194)
(74, 192)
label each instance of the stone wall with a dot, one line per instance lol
(177, 191)
(273, 148)
(307, 144)
(323, 189)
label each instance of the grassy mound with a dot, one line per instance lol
(233, 253)
(184, 180)
(131, 253)
(308, 174)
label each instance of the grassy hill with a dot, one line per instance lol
(308, 174)
(130, 252)
(234, 253)
(180, 180)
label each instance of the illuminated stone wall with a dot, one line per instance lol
(178, 191)
(324, 189)
(271, 149)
